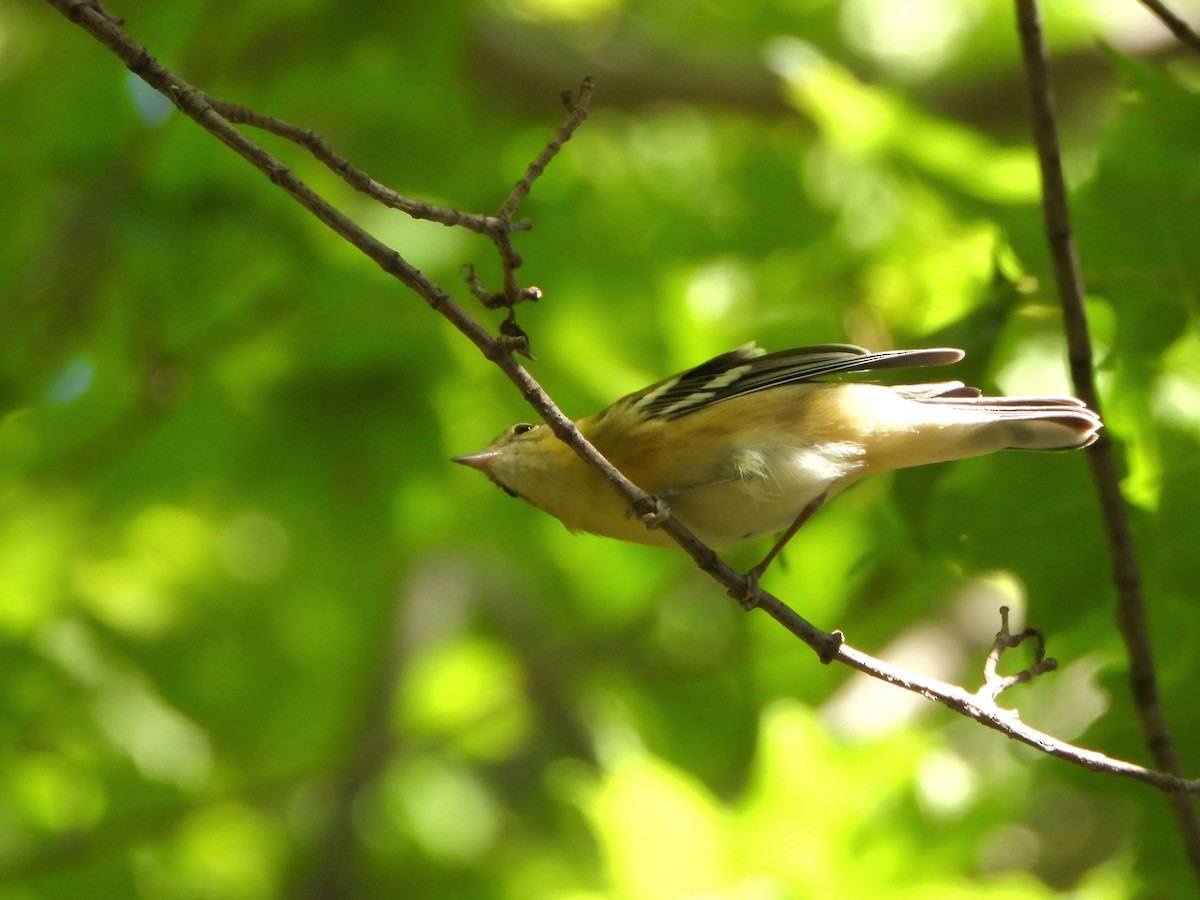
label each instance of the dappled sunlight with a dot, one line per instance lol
(53, 793)
(856, 118)
(911, 38)
(233, 849)
(661, 833)
(934, 272)
(38, 531)
(677, 150)
(467, 693)
(163, 743)
(874, 123)
(1036, 367)
(946, 786)
(123, 595)
(866, 200)
(561, 10)
(167, 550)
(717, 289)
(445, 807)
(1177, 397)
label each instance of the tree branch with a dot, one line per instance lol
(360, 180)
(500, 349)
(1131, 608)
(1181, 29)
(1007, 722)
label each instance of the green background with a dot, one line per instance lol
(259, 638)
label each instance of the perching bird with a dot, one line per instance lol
(752, 443)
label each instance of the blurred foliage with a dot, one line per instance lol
(261, 639)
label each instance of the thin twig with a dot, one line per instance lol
(510, 260)
(1008, 723)
(1131, 610)
(1176, 25)
(360, 180)
(577, 106)
(499, 349)
(994, 684)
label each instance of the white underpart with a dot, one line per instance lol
(799, 475)
(822, 465)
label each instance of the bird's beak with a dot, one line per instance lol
(482, 460)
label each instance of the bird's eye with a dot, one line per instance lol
(521, 428)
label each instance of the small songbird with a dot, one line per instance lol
(752, 443)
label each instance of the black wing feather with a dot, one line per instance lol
(747, 369)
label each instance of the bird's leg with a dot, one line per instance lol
(753, 575)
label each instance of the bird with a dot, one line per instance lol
(752, 443)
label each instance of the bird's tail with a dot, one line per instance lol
(1029, 423)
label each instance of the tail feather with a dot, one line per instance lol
(1033, 423)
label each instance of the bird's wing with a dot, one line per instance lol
(748, 369)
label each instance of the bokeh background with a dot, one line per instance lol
(261, 639)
